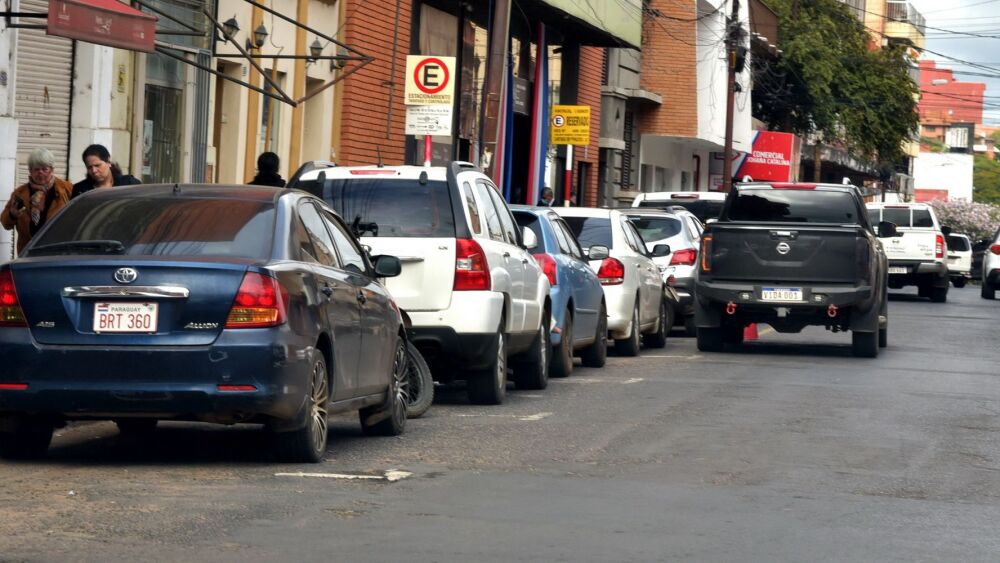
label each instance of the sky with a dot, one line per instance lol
(953, 18)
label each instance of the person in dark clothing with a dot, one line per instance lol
(101, 172)
(546, 199)
(267, 171)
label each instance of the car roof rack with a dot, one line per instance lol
(308, 166)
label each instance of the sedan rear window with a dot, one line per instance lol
(160, 227)
(591, 231)
(794, 206)
(654, 229)
(389, 207)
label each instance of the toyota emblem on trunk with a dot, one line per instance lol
(126, 275)
(783, 248)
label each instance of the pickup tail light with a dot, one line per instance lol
(995, 249)
(548, 265)
(611, 272)
(260, 303)
(686, 257)
(706, 253)
(11, 313)
(939, 248)
(472, 272)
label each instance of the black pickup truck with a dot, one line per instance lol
(791, 256)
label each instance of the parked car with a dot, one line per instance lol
(791, 256)
(681, 231)
(918, 255)
(474, 298)
(990, 276)
(633, 288)
(959, 259)
(979, 250)
(206, 303)
(579, 313)
(704, 205)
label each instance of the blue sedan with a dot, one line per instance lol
(579, 311)
(199, 303)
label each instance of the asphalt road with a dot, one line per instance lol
(785, 449)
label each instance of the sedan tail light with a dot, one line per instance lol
(939, 246)
(548, 264)
(611, 272)
(472, 272)
(10, 307)
(686, 257)
(259, 303)
(706, 253)
(995, 249)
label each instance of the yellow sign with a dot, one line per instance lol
(430, 81)
(570, 125)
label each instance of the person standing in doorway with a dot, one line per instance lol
(546, 199)
(33, 204)
(101, 171)
(267, 171)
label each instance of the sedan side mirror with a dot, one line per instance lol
(598, 252)
(387, 266)
(528, 238)
(661, 250)
(887, 229)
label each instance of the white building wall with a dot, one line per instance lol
(944, 171)
(712, 71)
(93, 89)
(8, 129)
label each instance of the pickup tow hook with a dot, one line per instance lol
(731, 308)
(832, 311)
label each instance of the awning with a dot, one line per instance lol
(104, 22)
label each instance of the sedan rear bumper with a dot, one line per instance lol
(180, 383)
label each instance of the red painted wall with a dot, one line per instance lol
(953, 102)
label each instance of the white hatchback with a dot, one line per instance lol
(959, 259)
(633, 288)
(472, 295)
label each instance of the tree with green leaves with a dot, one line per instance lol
(830, 86)
(986, 180)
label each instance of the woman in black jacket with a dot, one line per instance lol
(267, 171)
(101, 172)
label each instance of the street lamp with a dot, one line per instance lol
(260, 36)
(337, 64)
(315, 50)
(230, 27)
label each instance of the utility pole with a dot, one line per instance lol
(734, 34)
(496, 70)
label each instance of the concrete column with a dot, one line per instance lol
(8, 131)
(93, 89)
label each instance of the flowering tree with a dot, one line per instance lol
(978, 220)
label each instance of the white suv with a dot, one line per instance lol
(991, 269)
(471, 294)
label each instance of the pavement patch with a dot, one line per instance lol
(391, 476)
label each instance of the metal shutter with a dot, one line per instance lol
(44, 75)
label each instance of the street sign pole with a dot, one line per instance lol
(732, 33)
(568, 188)
(427, 150)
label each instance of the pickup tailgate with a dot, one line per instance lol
(912, 244)
(788, 253)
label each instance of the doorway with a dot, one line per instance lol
(161, 134)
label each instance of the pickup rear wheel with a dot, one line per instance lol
(938, 294)
(709, 339)
(958, 282)
(865, 344)
(732, 334)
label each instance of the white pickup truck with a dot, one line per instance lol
(918, 255)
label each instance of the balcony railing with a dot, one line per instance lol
(903, 11)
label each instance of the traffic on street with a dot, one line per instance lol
(785, 448)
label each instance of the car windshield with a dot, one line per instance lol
(591, 231)
(654, 229)
(160, 227)
(389, 207)
(958, 244)
(703, 209)
(793, 206)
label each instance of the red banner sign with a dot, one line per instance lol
(104, 22)
(775, 158)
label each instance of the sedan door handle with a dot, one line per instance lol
(361, 297)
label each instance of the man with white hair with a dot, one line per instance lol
(34, 203)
